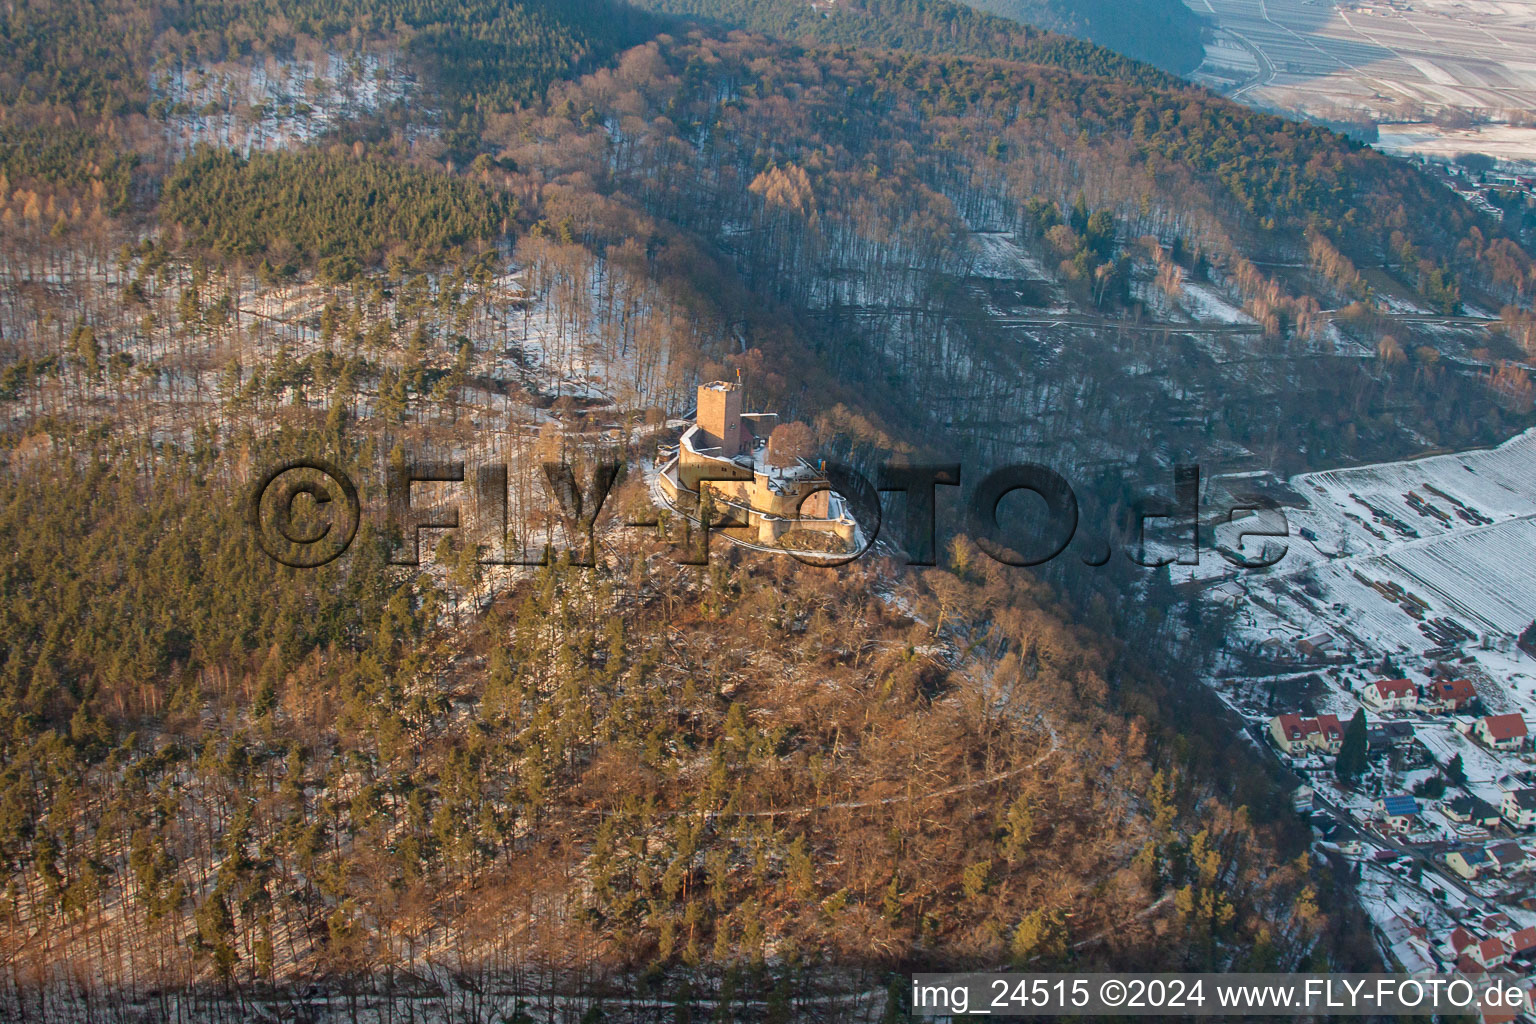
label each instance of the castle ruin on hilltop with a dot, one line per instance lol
(771, 500)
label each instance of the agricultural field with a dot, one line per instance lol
(1397, 63)
(1402, 559)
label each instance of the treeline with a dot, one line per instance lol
(486, 54)
(1085, 242)
(85, 56)
(334, 211)
(839, 180)
(1136, 31)
(1279, 177)
(669, 778)
(932, 27)
(110, 610)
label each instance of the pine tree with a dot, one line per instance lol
(1351, 762)
(1040, 934)
(1456, 771)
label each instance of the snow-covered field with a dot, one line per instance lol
(1401, 558)
(1501, 141)
(1203, 303)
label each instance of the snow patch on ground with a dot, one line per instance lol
(1001, 257)
(1202, 302)
(275, 104)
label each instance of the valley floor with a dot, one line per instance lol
(1388, 61)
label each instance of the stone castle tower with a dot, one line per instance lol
(719, 417)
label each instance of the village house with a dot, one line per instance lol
(1392, 695)
(1458, 943)
(1389, 736)
(1296, 735)
(1500, 732)
(1515, 780)
(726, 453)
(1490, 953)
(1472, 971)
(1450, 694)
(1409, 944)
(1519, 808)
(1315, 646)
(1399, 812)
(1475, 862)
(1470, 810)
(1506, 856)
(1471, 862)
(1495, 924)
(1523, 942)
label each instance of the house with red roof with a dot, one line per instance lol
(1296, 735)
(1450, 694)
(1457, 943)
(1328, 734)
(1501, 732)
(1392, 695)
(1522, 942)
(1490, 953)
(1491, 1014)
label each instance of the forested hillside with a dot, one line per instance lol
(336, 214)
(95, 58)
(749, 790)
(936, 27)
(864, 193)
(334, 782)
(1161, 32)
